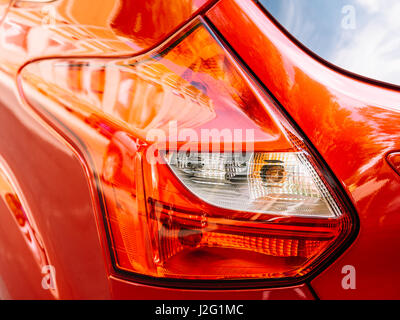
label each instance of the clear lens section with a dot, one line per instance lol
(279, 183)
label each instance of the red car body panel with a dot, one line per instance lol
(353, 123)
(83, 28)
(63, 206)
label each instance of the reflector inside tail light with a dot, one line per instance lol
(201, 175)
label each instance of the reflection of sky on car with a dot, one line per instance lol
(371, 49)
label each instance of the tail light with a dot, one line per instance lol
(200, 174)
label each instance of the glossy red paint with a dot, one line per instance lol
(124, 289)
(44, 164)
(353, 123)
(65, 219)
(84, 28)
(49, 178)
(109, 131)
(394, 160)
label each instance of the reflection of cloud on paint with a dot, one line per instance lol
(375, 45)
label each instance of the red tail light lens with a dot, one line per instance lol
(201, 176)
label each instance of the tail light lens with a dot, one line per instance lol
(201, 176)
(279, 183)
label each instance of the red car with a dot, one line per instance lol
(195, 149)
